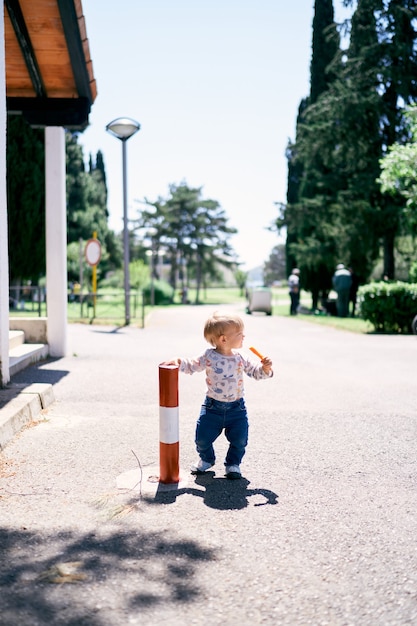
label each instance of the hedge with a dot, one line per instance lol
(162, 292)
(390, 307)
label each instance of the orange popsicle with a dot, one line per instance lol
(255, 351)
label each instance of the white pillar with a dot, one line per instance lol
(4, 249)
(56, 240)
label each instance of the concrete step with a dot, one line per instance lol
(26, 354)
(16, 338)
(21, 404)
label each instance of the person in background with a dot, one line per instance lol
(294, 290)
(342, 281)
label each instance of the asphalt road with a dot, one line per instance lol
(321, 530)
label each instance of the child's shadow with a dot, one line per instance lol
(220, 493)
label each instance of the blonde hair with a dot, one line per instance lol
(218, 324)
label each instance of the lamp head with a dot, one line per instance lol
(123, 128)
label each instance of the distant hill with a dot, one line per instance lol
(255, 277)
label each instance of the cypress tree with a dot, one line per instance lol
(309, 192)
(26, 200)
(339, 212)
(356, 107)
(379, 78)
(325, 47)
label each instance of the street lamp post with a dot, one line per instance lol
(123, 128)
(152, 235)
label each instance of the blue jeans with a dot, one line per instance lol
(216, 416)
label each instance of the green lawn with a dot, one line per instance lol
(354, 325)
(109, 308)
(281, 302)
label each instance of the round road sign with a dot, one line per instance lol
(93, 251)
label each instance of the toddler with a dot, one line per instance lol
(224, 406)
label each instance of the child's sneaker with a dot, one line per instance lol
(233, 472)
(200, 467)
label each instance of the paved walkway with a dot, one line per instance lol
(321, 530)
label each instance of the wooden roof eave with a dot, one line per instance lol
(71, 102)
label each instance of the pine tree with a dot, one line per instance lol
(194, 231)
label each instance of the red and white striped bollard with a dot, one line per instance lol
(169, 467)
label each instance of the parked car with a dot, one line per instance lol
(260, 300)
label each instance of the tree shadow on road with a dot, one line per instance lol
(113, 574)
(220, 493)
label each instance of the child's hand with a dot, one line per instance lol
(266, 364)
(172, 362)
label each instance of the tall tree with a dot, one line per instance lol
(325, 47)
(340, 213)
(348, 117)
(275, 267)
(399, 88)
(86, 194)
(26, 200)
(87, 204)
(399, 174)
(310, 194)
(288, 212)
(194, 231)
(380, 74)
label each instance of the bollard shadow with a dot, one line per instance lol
(219, 493)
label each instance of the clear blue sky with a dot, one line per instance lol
(215, 85)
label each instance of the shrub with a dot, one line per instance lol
(163, 292)
(390, 307)
(413, 272)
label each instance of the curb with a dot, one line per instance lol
(21, 404)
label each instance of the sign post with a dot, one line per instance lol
(93, 255)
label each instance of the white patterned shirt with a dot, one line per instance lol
(224, 374)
